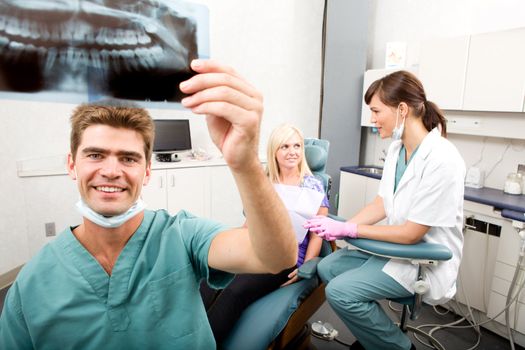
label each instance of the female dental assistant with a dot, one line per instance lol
(420, 194)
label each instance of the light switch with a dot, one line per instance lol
(50, 229)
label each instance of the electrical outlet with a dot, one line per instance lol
(50, 229)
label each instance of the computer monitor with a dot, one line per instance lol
(171, 135)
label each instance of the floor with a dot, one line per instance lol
(451, 339)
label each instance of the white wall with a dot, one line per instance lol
(275, 44)
(413, 21)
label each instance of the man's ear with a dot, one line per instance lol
(147, 175)
(71, 167)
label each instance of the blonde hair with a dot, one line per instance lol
(279, 136)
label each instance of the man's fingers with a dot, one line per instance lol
(232, 113)
(209, 80)
(210, 65)
(225, 94)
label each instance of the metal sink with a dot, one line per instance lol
(371, 170)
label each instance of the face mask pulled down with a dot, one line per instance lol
(397, 133)
(109, 221)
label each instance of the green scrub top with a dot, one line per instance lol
(402, 165)
(63, 298)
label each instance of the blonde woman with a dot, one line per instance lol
(287, 166)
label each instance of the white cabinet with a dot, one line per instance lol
(488, 265)
(189, 189)
(495, 78)
(352, 193)
(154, 193)
(505, 266)
(176, 189)
(442, 70)
(355, 191)
(483, 72)
(209, 192)
(226, 205)
(478, 261)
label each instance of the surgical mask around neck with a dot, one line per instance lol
(109, 221)
(397, 133)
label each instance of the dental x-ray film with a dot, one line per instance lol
(79, 50)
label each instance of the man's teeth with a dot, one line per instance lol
(109, 189)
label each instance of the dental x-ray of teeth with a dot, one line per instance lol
(126, 49)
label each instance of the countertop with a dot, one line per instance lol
(511, 206)
(355, 170)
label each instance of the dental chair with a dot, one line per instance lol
(279, 319)
(423, 255)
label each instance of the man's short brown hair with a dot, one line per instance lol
(133, 118)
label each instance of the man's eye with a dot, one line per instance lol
(129, 160)
(94, 156)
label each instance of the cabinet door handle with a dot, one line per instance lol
(472, 227)
(161, 182)
(172, 180)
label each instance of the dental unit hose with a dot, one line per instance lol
(519, 266)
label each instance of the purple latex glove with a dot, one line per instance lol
(331, 229)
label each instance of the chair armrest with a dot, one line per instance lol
(309, 269)
(421, 250)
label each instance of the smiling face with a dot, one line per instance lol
(110, 168)
(290, 153)
(383, 117)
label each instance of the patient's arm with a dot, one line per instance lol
(313, 250)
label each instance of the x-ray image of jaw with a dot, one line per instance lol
(129, 49)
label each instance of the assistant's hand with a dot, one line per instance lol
(331, 229)
(233, 110)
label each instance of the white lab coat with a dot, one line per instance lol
(430, 192)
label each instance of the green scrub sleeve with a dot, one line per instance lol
(198, 235)
(13, 329)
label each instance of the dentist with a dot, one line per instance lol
(420, 195)
(128, 278)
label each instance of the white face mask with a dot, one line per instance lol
(109, 221)
(397, 133)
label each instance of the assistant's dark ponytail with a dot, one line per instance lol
(434, 117)
(403, 86)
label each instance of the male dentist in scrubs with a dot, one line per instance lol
(128, 278)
